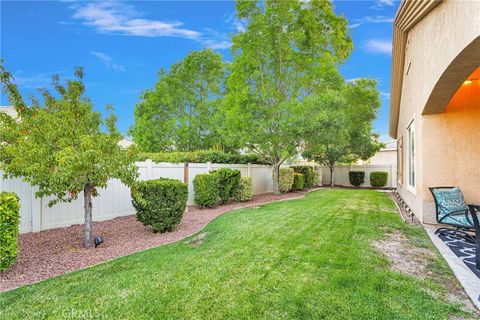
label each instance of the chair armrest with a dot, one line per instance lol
(474, 212)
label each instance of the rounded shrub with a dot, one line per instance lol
(9, 222)
(160, 203)
(286, 179)
(308, 174)
(356, 177)
(206, 190)
(244, 190)
(298, 181)
(378, 179)
(228, 180)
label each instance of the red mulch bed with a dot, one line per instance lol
(56, 251)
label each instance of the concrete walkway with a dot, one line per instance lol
(469, 281)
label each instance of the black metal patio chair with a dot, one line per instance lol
(452, 210)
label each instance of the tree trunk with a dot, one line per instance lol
(276, 179)
(88, 236)
(332, 176)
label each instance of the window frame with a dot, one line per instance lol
(400, 161)
(411, 176)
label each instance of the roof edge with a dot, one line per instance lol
(408, 15)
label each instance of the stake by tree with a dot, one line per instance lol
(179, 112)
(343, 125)
(289, 50)
(61, 147)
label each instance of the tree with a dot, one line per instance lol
(289, 50)
(60, 147)
(178, 113)
(343, 125)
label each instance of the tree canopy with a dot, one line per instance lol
(289, 51)
(61, 146)
(179, 112)
(343, 124)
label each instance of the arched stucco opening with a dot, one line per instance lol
(466, 62)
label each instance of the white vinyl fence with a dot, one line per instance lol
(115, 201)
(341, 174)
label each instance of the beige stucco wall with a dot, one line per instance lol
(451, 153)
(444, 142)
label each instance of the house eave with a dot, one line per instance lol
(408, 15)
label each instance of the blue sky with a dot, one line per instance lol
(122, 45)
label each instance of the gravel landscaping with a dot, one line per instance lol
(53, 252)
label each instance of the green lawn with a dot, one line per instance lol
(303, 259)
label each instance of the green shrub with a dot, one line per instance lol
(160, 203)
(356, 177)
(228, 180)
(244, 191)
(200, 156)
(307, 172)
(298, 181)
(317, 178)
(9, 222)
(206, 190)
(378, 179)
(286, 179)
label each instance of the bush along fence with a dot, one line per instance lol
(377, 176)
(221, 185)
(116, 200)
(9, 229)
(160, 203)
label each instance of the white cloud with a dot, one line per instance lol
(379, 4)
(108, 61)
(120, 18)
(238, 25)
(217, 44)
(371, 19)
(385, 2)
(352, 80)
(379, 46)
(34, 81)
(385, 95)
(113, 17)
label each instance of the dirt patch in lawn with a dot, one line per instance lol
(56, 251)
(404, 257)
(414, 261)
(197, 240)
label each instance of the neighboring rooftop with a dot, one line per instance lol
(9, 110)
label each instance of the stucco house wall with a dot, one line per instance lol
(446, 143)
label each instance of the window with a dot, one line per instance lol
(411, 156)
(400, 160)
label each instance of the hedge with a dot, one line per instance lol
(286, 179)
(356, 177)
(378, 179)
(201, 156)
(9, 222)
(298, 181)
(244, 191)
(308, 174)
(228, 180)
(317, 178)
(206, 190)
(160, 203)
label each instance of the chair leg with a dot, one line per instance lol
(477, 252)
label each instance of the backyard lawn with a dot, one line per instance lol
(310, 258)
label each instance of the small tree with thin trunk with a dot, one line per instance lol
(343, 125)
(61, 147)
